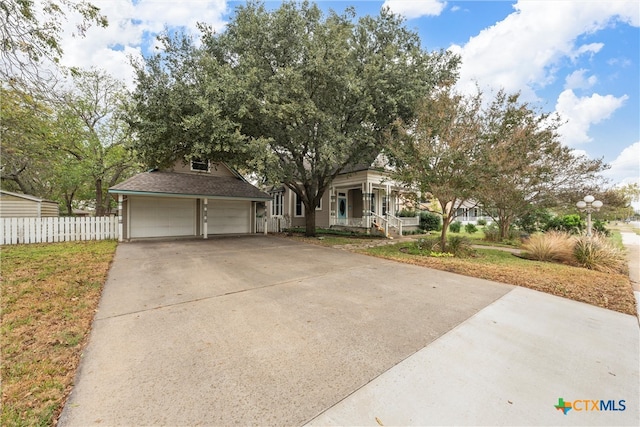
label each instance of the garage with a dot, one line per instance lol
(162, 217)
(229, 217)
(189, 199)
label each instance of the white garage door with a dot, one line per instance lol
(162, 217)
(227, 216)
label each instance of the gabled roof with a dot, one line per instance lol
(185, 185)
(27, 197)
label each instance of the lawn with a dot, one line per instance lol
(611, 291)
(49, 297)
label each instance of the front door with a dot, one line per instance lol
(342, 207)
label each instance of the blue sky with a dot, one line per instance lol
(579, 58)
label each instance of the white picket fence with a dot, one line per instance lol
(273, 225)
(44, 230)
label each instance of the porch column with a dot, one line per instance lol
(333, 203)
(120, 225)
(366, 204)
(205, 230)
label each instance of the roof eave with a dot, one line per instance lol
(184, 196)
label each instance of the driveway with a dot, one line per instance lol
(266, 331)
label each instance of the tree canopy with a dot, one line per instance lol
(438, 151)
(31, 35)
(506, 156)
(292, 94)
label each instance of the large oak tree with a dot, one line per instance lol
(292, 94)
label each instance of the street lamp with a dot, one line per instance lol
(589, 204)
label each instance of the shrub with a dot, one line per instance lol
(470, 228)
(491, 233)
(460, 246)
(406, 213)
(454, 227)
(424, 246)
(429, 221)
(570, 223)
(533, 221)
(551, 246)
(600, 228)
(598, 253)
(482, 222)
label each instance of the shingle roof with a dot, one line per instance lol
(173, 183)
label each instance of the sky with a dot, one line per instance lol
(577, 58)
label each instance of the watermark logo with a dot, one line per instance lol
(563, 406)
(590, 405)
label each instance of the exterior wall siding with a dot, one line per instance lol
(17, 207)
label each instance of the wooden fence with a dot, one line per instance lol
(52, 229)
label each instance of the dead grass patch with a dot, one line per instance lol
(606, 290)
(49, 296)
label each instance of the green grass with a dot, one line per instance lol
(49, 296)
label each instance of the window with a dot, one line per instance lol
(299, 211)
(300, 206)
(373, 202)
(384, 205)
(277, 204)
(200, 165)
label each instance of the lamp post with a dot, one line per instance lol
(589, 204)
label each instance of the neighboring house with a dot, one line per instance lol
(470, 212)
(191, 199)
(361, 197)
(15, 205)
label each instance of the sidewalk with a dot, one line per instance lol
(508, 365)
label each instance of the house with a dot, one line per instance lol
(197, 198)
(362, 197)
(469, 212)
(15, 205)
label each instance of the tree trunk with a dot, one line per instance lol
(99, 207)
(310, 221)
(504, 228)
(446, 220)
(68, 200)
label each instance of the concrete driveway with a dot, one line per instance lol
(265, 331)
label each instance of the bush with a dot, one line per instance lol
(533, 221)
(470, 228)
(572, 224)
(406, 213)
(598, 253)
(460, 246)
(492, 233)
(551, 246)
(424, 246)
(455, 227)
(482, 222)
(600, 228)
(429, 221)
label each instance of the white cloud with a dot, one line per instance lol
(523, 51)
(130, 26)
(625, 169)
(581, 113)
(578, 80)
(587, 48)
(414, 9)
